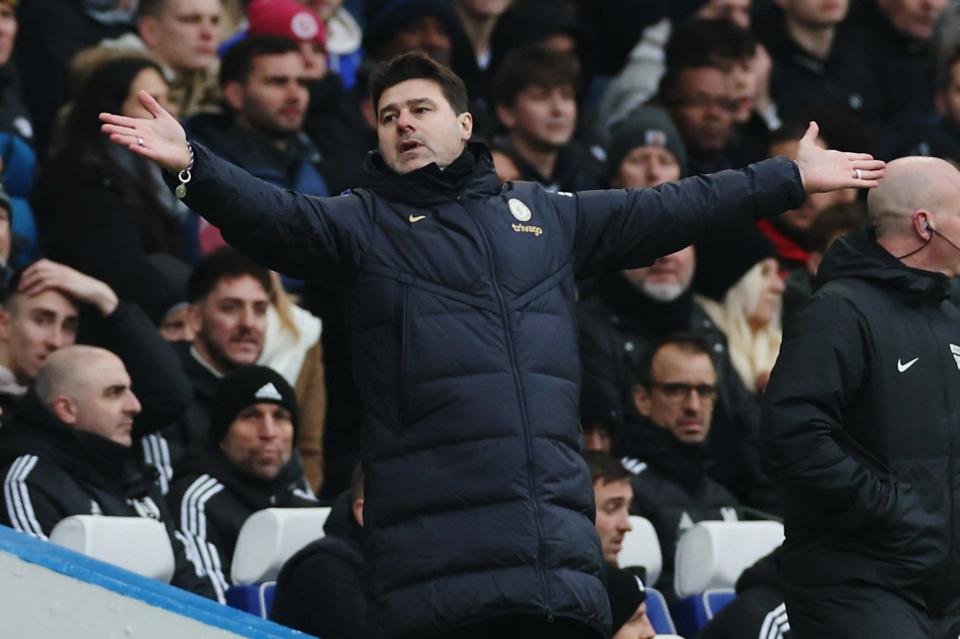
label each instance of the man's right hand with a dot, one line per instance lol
(159, 138)
(44, 275)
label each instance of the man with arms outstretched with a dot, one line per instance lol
(860, 422)
(459, 295)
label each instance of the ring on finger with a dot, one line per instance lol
(140, 141)
(858, 174)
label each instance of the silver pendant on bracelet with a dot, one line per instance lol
(184, 177)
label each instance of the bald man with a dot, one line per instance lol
(67, 451)
(862, 422)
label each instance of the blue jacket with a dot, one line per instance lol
(460, 302)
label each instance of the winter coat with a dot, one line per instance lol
(671, 487)
(320, 589)
(295, 167)
(860, 425)
(459, 296)
(105, 212)
(166, 448)
(211, 499)
(618, 327)
(52, 471)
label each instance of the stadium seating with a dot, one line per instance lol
(138, 544)
(255, 599)
(659, 613)
(642, 548)
(710, 557)
(267, 539)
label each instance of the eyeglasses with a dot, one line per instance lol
(677, 391)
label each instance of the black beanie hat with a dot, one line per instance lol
(626, 593)
(646, 126)
(722, 261)
(245, 387)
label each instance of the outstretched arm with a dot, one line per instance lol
(619, 229)
(298, 235)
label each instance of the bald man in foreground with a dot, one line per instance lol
(862, 422)
(67, 451)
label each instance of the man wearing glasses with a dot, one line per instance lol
(665, 449)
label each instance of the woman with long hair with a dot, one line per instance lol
(738, 277)
(102, 209)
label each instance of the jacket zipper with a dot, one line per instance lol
(528, 436)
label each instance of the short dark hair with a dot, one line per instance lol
(237, 62)
(534, 66)
(697, 43)
(689, 341)
(224, 263)
(605, 467)
(417, 65)
(667, 91)
(836, 219)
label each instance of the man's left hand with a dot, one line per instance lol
(824, 170)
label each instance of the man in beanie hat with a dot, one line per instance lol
(247, 465)
(644, 150)
(628, 605)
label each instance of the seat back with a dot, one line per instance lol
(256, 599)
(658, 613)
(716, 599)
(641, 547)
(712, 554)
(138, 544)
(269, 537)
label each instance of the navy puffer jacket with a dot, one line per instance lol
(460, 301)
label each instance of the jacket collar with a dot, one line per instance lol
(858, 255)
(470, 176)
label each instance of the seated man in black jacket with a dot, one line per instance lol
(248, 465)
(68, 451)
(320, 589)
(666, 448)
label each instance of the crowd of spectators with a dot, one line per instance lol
(207, 387)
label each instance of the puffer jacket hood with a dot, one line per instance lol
(859, 255)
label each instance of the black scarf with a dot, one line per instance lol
(470, 175)
(654, 316)
(685, 464)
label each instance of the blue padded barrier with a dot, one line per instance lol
(149, 591)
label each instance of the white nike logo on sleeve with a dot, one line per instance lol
(902, 367)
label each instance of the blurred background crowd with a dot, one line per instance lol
(223, 388)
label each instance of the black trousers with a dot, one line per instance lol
(856, 610)
(522, 627)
